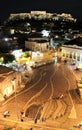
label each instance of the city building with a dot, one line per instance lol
(73, 50)
(37, 42)
(42, 15)
(7, 44)
(37, 45)
(10, 82)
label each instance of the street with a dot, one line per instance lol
(50, 97)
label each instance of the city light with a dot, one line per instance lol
(45, 33)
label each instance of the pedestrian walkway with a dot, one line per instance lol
(61, 108)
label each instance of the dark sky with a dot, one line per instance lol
(54, 6)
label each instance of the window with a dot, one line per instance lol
(78, 57)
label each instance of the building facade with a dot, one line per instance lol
(10, 82)
(72, 53)
(37, 46)
(73, 50)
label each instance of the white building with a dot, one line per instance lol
(37, 42)
(73, 50)
(38, 12)
(37, 45)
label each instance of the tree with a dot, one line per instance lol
(9, 58)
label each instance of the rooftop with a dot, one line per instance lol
(77, 42)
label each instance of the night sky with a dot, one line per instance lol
(54, 6)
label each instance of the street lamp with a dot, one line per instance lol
(14, 84)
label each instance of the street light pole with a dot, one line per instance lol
(14, 84)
